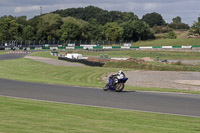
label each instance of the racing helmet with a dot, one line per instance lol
(120, 72)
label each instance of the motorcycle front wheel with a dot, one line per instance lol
(119, 87)
(105, 88)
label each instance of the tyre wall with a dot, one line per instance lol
(83, 61)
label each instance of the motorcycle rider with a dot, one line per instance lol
(120, 75)
(116, 77)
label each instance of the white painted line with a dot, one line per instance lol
(70, 47)
(125, 47)
(166, 46)
(38, 48)
(146, 47)
(88, 47)
(107, 47)
(120, 58)
(54, 48)
(187, 47)
(101, 106)
(83, 45)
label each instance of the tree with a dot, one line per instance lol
(120, 17)
(94, 30)
(177, 24)
(112, 31)
(136, 30)
(22, 22)
(176, 20)
(34, 22)
(83, 27)
(8, 28)
(70, 31)
(195, 29)
(153, 19)
(49, 27)
(102, 16)
(28, 33)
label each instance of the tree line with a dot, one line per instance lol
(89, 23)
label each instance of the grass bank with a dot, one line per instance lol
(22, 116)
(140, 54)
(155, 66)
(33, 71)
(169, 42)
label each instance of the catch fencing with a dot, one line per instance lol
(80, 45)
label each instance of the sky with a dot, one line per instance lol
(188, 10)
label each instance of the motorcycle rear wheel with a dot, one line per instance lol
(119, 87)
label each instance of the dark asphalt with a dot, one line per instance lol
(181, 104)
(11, 56)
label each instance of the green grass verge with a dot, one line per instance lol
(22, 116)
(2, 52)
(181, 33)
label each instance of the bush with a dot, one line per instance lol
(179, 26)
(177, 63)
(161, 29)
(172, 35)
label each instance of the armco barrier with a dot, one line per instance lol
(83, 61)
(196, 46)
(105, 47)
(98, 47)
(177, 47)
(61, 47)
(78, 47)
(156, 46)
(116, 47)
(134, 47)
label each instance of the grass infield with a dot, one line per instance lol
(45, 54)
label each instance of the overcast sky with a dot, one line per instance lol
(188, 10)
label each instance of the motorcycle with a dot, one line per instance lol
(115, 84)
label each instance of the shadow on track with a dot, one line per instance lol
(125, 91)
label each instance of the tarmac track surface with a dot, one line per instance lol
(11, 56)
(166, 103)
